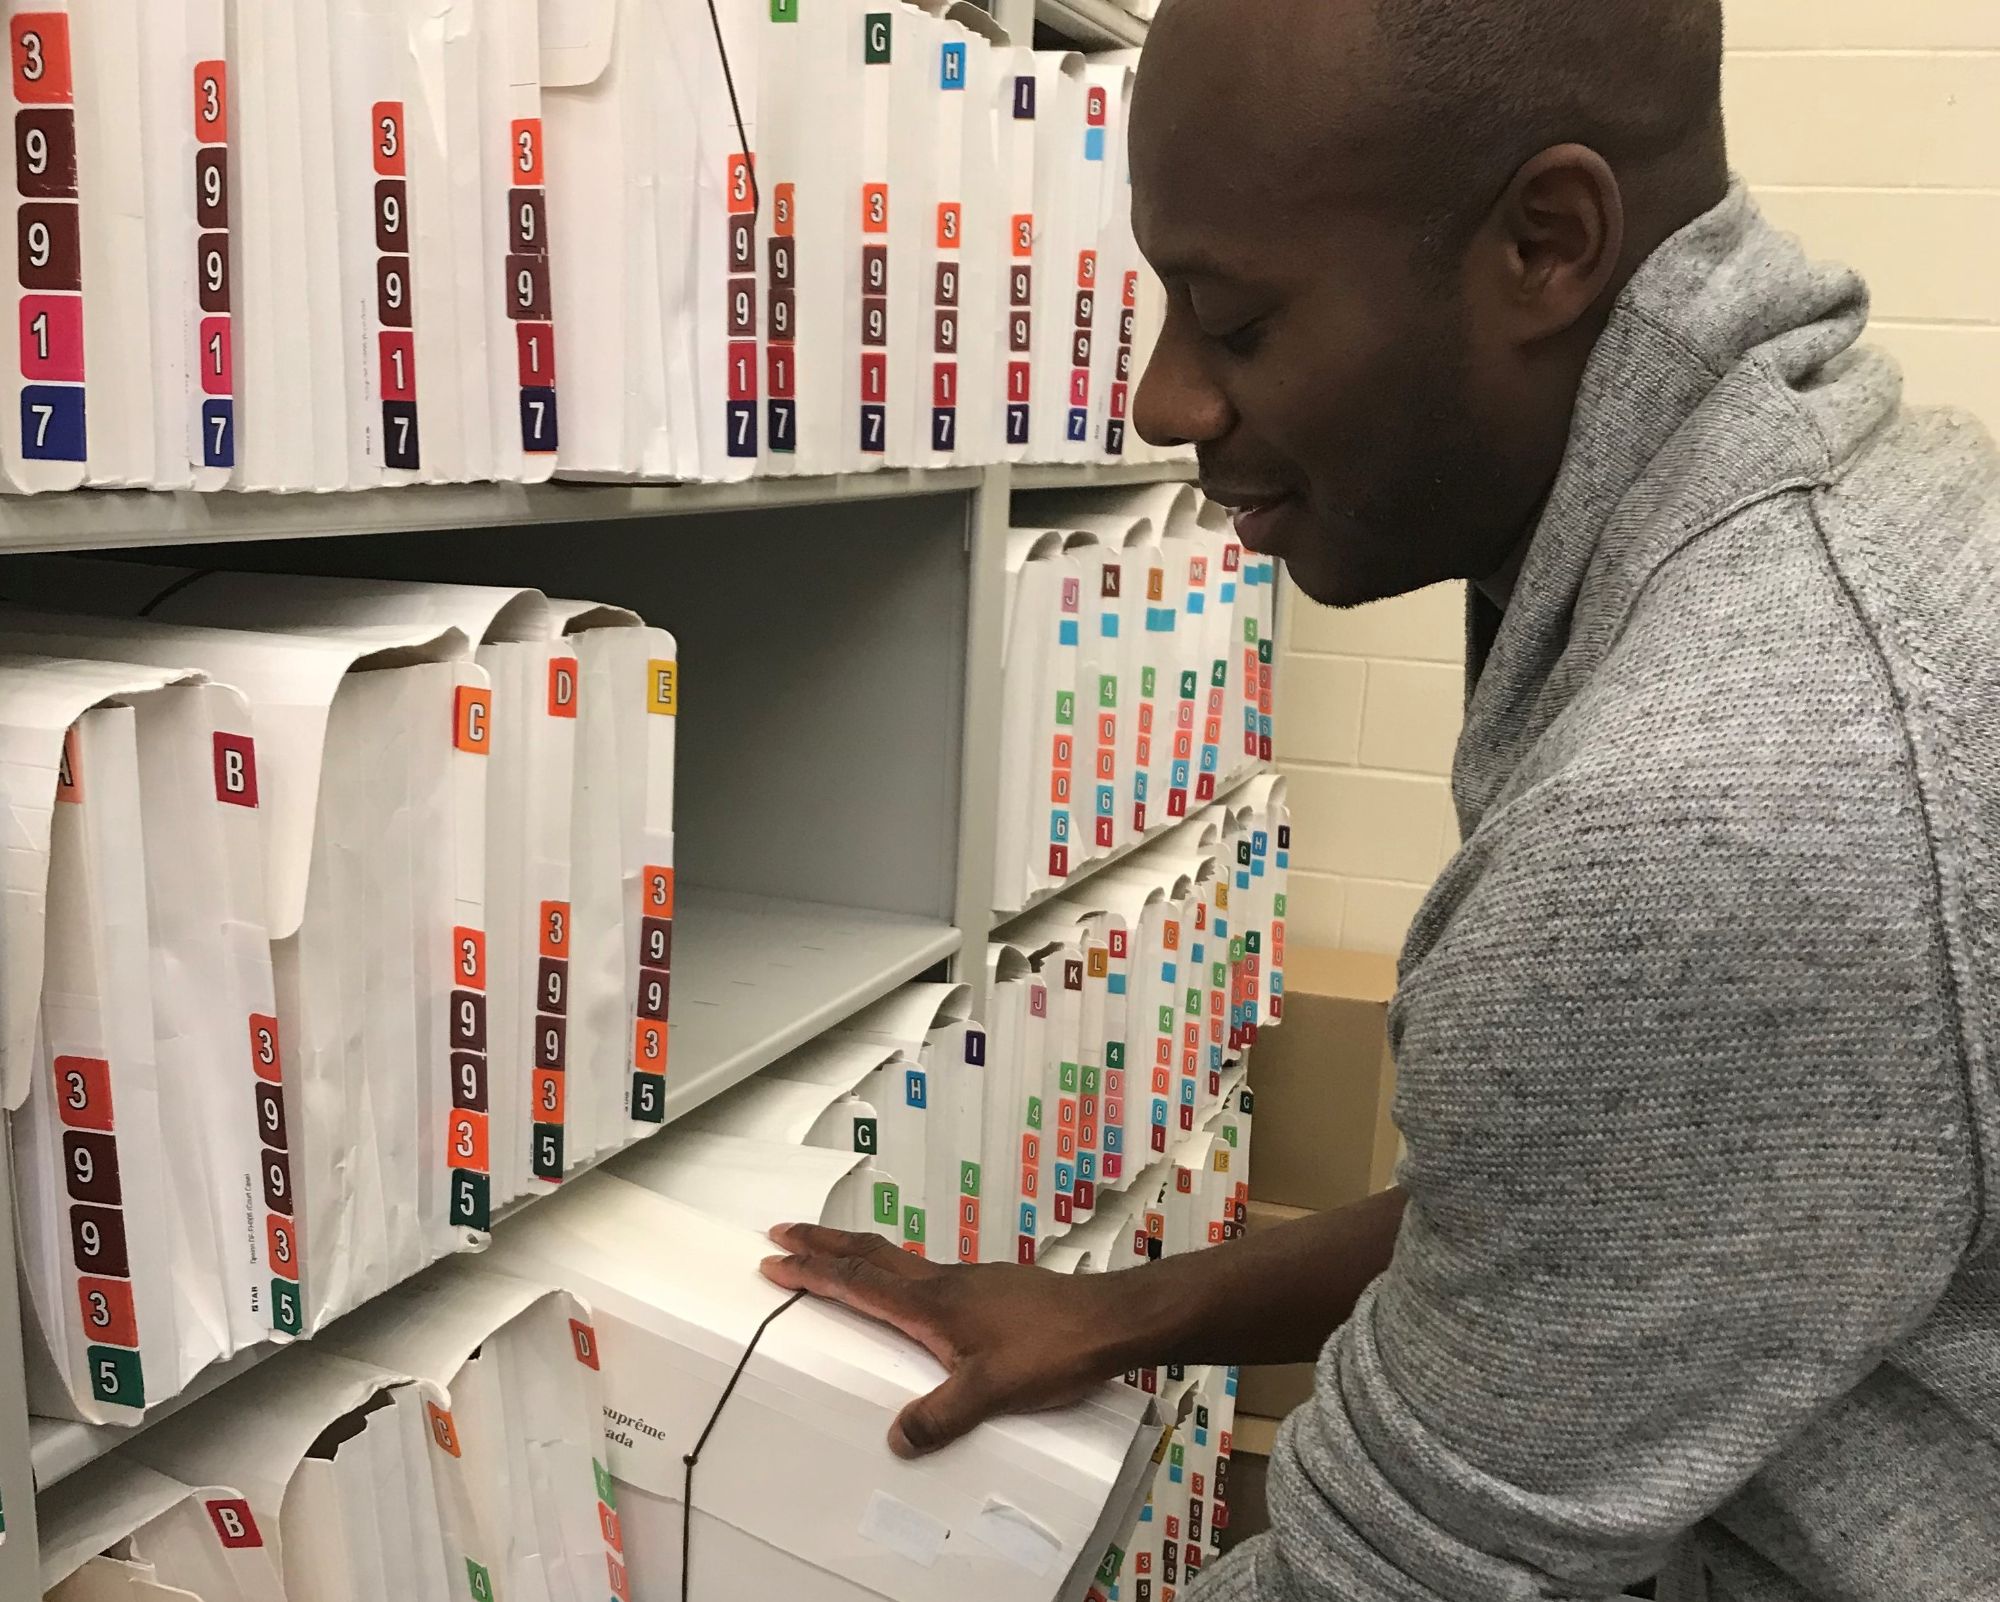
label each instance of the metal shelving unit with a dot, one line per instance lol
(789, 936)
(758, 976)
(1091, 24)
(1103, 475)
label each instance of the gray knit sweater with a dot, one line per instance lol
(1697, 1036)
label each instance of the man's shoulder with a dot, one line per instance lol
(1875, 593)
(1744, 653)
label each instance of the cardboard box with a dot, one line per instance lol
(1271, 1393)
(1325, 1081)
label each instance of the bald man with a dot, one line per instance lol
(1693, 1272)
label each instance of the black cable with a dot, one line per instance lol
(729, 1390)
(175, 588)
(742, 136)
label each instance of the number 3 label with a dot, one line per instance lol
(40, 50)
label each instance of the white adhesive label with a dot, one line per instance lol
(903, 1529)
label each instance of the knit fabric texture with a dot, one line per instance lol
(1696, 1037)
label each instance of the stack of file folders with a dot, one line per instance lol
(525, 1433)
(324, 939)
(1116, 1020)
(344, 244)
(1137, 683)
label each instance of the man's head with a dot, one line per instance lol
(1391, 231)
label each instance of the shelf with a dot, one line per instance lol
(1096, 865)
(78, 520)
(109, 519)
(1102, 475)
(1092, 24)
(760, 977)
(757, 977)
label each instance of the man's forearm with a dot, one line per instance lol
(1274, 1299)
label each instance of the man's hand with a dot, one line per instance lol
(1015, 1340)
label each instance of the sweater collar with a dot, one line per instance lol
(1692, 400)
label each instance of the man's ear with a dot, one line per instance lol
(1552, 243)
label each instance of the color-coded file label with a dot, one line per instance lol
(650, 1029)
(395, 290)
(49, 259)
(526, 267)
(740, 306)
(213, 395)
(781, 329)
(549, 1058)
(467, 1154)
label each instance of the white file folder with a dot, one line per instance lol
(1038, 731)
(370, 751)
(795, 1486)
(119, 1530)
(622, 875)
(129, 1290)
(754, 1184)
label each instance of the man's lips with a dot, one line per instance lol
(1255, 514)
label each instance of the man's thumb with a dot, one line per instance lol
(955, 1408)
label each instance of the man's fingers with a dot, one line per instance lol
(860, 1282)
(812, 1240)
(955, 1408)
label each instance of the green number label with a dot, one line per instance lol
(115, 1376)
(285, 1311)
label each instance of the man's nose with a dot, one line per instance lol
(1178, 403)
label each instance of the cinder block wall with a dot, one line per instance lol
(1869, 127)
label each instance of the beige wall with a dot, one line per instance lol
(1869, 127)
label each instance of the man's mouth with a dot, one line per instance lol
(1255, 514)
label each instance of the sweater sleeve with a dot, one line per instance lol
(1688, 1152)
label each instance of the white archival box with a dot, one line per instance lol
(796, 1492)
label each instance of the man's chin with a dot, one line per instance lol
(1331, 584)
